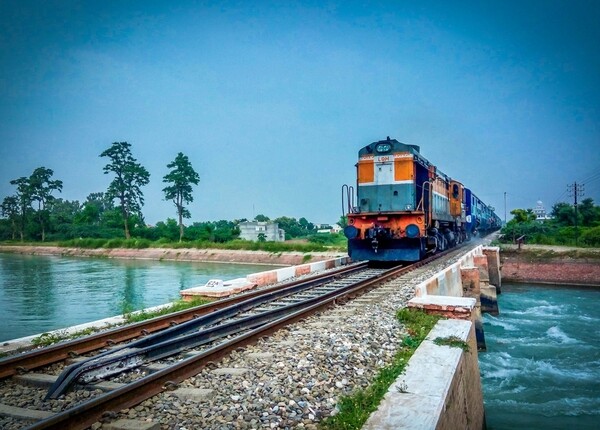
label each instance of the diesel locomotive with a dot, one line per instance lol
(406, 208)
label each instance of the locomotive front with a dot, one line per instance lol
(389, 223)
(405, 209)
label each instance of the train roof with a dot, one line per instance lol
(388, 146)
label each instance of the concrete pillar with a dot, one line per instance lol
(470, 277)
(481, 262)
(479, 333)
(493, 257)
(470, 282)
(489, 300)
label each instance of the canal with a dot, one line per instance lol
(43, 293)
(542, 365)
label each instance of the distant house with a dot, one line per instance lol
(252, 230)
(540, 212)
(326, 228)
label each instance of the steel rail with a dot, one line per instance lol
(87, 413)
(44, 356)
(193, 333)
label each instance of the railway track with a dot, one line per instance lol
(182, 345)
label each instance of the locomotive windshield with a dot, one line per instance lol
(383, 147)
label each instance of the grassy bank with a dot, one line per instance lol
(541, 252)
(243, 245)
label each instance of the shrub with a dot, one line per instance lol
(591, 236)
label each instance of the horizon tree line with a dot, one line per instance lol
(29, 212)
(34, 211)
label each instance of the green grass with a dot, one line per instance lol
(452, 341)
(356, 408)
(47, 339)
(176, 306)
(273, 247)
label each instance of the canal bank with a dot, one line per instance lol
(178, 254)
(551, 265)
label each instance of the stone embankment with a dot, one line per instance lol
(181, 254)
(551, 265)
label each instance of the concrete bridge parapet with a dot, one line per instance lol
(441, 388)
(470, 276)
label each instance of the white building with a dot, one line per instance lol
(252, 230)
(540, 212)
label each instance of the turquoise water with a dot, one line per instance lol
(542, 365)
(43, 293)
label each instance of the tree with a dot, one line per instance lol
(181, 178)
(94, 208)
(41, 188)
(589, 212)
(168, 230)
(307, 226)
(563, 213)
(261, 218)
(24, 199)
(130, 176)
(523, 215)
(10, 209)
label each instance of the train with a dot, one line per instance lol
(406, 208)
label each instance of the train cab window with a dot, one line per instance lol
(395, 193)
(455, 191)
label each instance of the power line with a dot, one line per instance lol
(576, 191)
(593, 173)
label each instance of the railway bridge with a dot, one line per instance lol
(279, 355)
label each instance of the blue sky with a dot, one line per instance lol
(271, 101)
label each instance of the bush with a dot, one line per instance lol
(114, 243)
(83, 243)
(591, 236)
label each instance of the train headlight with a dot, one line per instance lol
(351, 232)
(412, 231)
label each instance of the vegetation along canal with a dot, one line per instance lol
(43, 293)
(542, 363)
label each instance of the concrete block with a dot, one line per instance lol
(303, 269)
(216, 288)
(451, 307)
(481, 262)
(470, 282)
(195, 394)
(23, 414)
(489, 300)
(493, 257)
(478, 324)
(124, 424)
(260, 356)
(317, 266)
(230, 371)
(285, 273)
(39, 380)
(263, 278)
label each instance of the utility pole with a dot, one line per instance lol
(504, 207)
(575, 191)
